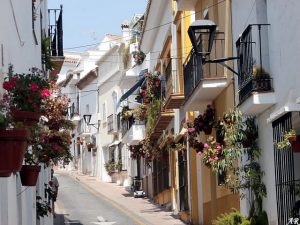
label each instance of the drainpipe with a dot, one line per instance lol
(189, 177)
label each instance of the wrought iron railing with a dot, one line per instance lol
(284, 173)
(194, 70)
(192, 73)
(55, 31)
(111, 123)
(252, 51)
(127, 124)
(73, 110)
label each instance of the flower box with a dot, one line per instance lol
(13, 144)
(29, 174)
(295, 143)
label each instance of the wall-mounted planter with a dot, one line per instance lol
(13, 144)
(295, 143)
(29, 174)
(27, 118)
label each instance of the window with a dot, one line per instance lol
(104, 116)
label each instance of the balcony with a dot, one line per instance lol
(55, 32)
(163, 121)
(82, 129)
(173, 99)
(255, 86)
(74, 113)
(185, 5)
(113, 124)
(203, 83)
(133, 131)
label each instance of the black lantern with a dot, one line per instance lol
(202, 34)
(87, 118)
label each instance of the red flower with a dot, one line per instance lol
(45, 93)
(7, 85)
(33, 87)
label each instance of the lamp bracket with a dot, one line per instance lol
(222, 61)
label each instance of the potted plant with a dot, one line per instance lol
(26, 94)
(119, 165)
(261, 77)
(13, 142)
(290, 139)
(30, 170)
(205, 122)
(110, 167)
(138, 57)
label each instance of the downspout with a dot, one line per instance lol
(189, 177)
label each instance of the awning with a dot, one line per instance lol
(290, 107)
(133, 89)
(114, 143)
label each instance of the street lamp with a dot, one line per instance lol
(202, 34)
(87, 120)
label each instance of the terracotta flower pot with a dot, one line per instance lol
(27, 118)
(295, 143)
(207, 130)
(29, 174)
(13, 144)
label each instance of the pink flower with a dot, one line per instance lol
(45, 93)
(206, 145)
(7, 85)
(33, 87)
(218, 147)
(199, 153)
(191, 129)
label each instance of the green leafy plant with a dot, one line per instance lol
(46, 53)
(286, 142)
(259, 73)
(110, 167)
(119, 165)
(42, 207)
(232, 218)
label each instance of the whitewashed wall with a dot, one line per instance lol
(17, 47)
(284, 48)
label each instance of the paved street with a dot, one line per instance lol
(78, 205)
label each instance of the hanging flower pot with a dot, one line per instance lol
(146, 100)
(207, 130)
(27, 118)
(29, 174)
(13, 144)
(295, 143)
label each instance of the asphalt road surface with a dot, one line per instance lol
(77, 205)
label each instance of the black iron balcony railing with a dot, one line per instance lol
(252, 50)
(110, 123)
(113, 123)
(254, 84)
(73, 110)
(55, 31)
(192, 73)
(194, 70)
(126, 125)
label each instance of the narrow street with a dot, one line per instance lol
(78, 205)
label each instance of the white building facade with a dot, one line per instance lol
(22, 25)
(266, 34)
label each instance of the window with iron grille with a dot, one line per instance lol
(161, 173)
(284, 171)
(110, 123)
(183, 185)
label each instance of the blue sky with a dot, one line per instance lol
(87, 21)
